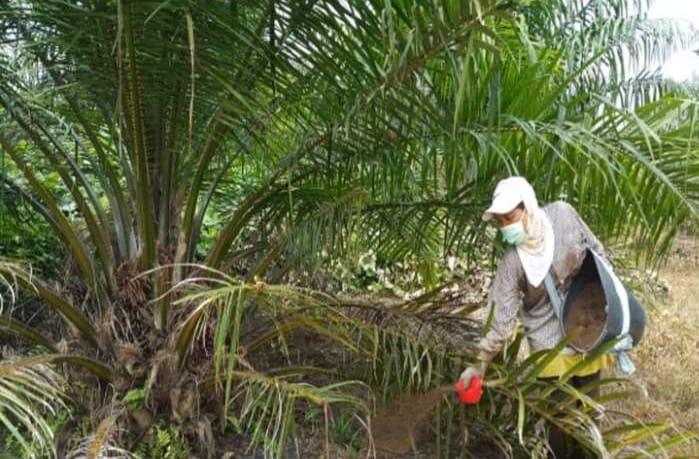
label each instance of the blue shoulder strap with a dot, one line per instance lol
(553, 294)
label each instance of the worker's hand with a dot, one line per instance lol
(469, 373)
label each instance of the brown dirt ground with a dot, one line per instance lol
(395, 431)
(667, 359)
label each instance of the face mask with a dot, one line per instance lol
(514, 233)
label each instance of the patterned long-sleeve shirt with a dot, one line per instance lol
(513, 297)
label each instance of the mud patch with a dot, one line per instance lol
(397, 430)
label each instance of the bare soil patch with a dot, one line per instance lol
(396, 430)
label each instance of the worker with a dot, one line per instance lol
(552, 239)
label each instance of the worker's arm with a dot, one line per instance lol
(504, 305)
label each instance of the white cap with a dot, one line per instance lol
(509, 193)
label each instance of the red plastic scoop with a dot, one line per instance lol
(470, 394)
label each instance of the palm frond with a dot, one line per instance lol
(266, 406)
(572, 411)
(10, 274)
(30, 392)
(11, 326)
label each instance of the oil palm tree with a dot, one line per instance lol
(192, 155)
(168, 110)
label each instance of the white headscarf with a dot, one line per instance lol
(536, 254)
